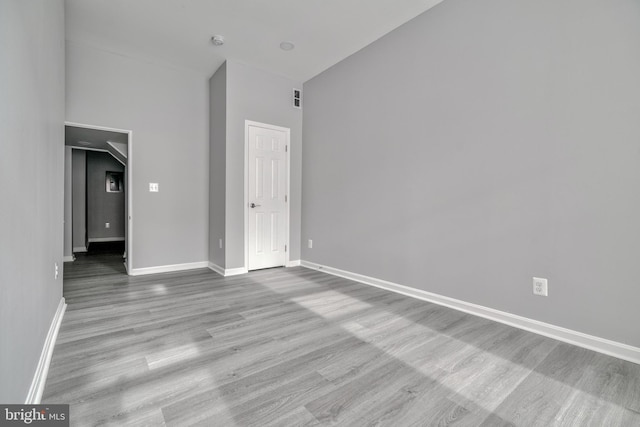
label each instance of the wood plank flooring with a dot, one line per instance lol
(297, 347)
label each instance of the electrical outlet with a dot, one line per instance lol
(310, 244)
(154, 187)
(107, 225)
(220, 243)
(540, 287)
(56, 271)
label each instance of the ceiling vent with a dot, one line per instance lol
(297, 99)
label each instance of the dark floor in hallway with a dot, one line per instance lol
(101, 259)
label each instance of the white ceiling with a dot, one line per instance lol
(179, 31)
(92, 138)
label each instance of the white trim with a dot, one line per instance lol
(99, 150)
(235, 271)
(112, 145)
(105, 239)
(168, 268)
(82, 125)
(80, 249)
(42, 370)
(227, 272)
(129, 211)
(601, 345)
(68, 205)
(287, 131)
(295, 263)
(129, 171)
(216, 268)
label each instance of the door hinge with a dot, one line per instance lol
(285, 198)
(285, 248)
(286, 148)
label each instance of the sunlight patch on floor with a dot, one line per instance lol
(176, 354)
(159, 289)
(330, 304)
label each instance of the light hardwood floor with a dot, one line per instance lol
(294, 347)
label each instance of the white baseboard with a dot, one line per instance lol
(216, 268)
(40, 376)
(601, 345)
(105, 239)
(69, 258)
(226, 272)
(168, 268)
(241, 270)
(235, 271)
(80, 249)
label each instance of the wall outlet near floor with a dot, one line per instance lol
(540, 287)
(154, 187)
(56, 271)
(310, 244)
(107, 225)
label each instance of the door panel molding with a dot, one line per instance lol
(287, 175)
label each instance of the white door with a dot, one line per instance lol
(267, 198)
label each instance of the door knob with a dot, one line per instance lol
(253, 205)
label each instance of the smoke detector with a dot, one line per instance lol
(217, 40)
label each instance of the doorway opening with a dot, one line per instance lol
(98, 192)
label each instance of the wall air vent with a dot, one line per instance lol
(297, 98)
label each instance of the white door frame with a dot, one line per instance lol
(287, 131)
(129, 167)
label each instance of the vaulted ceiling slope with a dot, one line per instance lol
(179, 31)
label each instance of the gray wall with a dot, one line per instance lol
(68, 206)
(256, 95)
(79, 199)
(103, 207)
(120, 151)
(166, 108)
(32, 172)
(217, 164)
(479, 145)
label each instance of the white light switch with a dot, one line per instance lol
(153, 187)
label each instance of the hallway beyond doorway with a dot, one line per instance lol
(101, 259)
